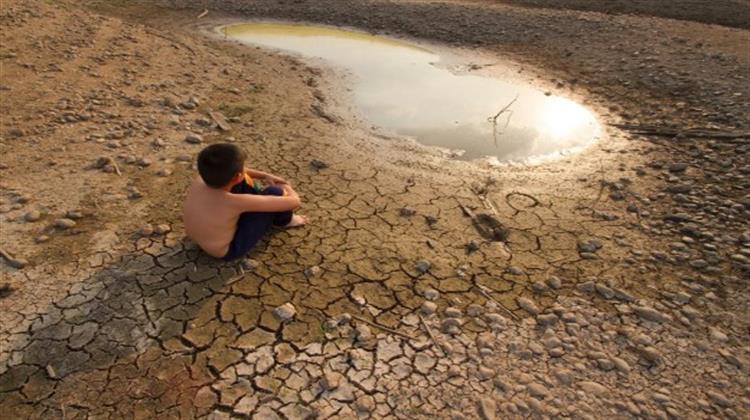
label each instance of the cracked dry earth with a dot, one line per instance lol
(620, 289)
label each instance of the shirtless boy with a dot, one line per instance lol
(227, 210)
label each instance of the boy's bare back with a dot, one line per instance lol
(210, 216)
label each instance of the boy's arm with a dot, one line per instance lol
(266, 203)
(264, 175)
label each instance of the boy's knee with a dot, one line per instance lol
(273, 190)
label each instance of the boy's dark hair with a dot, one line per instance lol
(219, 163)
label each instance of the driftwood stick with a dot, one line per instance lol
(505, 108)
(6, 255)
(114, 165)
(382, 327)
(205, 12)
(493, 119)
(488, 296)
(429, 332)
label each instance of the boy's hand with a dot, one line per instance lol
(273, 179)
(288, 189)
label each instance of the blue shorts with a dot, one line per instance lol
(251, 226)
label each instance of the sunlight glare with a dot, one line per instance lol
(560, 117)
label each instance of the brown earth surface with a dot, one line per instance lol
(734, 13)
(620, 290)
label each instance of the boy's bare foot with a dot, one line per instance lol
(297, 220)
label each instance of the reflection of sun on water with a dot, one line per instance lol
(560, 117)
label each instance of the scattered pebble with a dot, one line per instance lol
(428, 308)
(193, 138)
(318, 164)
(528, 305)
(285, 312)
(312, 271)
(162, 229)
(407, 211)
(32, 216)
(64, 223)
(422, 266)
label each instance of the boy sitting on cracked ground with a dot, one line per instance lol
(227, 210)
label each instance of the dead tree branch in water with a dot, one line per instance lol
(493, 119)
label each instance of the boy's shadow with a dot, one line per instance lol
(143, 300)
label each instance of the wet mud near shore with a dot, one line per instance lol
(619, 288)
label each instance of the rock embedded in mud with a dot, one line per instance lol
(407, 211)
(546, 320)
(677, 167)
(539, 287)
(250, 264)
(516, 271)
(431, 294)
(162, 229)
(74, 215)
(593, 388)
(193, 138)
(554, 282)
(528, 305)
(145, 230)
(650, 355)
(604, 291)
(285, 312)
(64, 223)
(679, 189)
(423, 266)
(343, 319)
(318, 164)
(428, 308)
(590, 246)
(538, 390)
(650, 314)
(487, 408)
(359, 300)
(312, 271)
(474, 310)
(32, 216)
(363, 333)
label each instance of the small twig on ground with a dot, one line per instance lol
(429, 332)
(485, 201)
(6, 255)
(383, 327)
(114, 165)
(205, 12)
(488, 296)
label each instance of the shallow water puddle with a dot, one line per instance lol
(399, 87)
